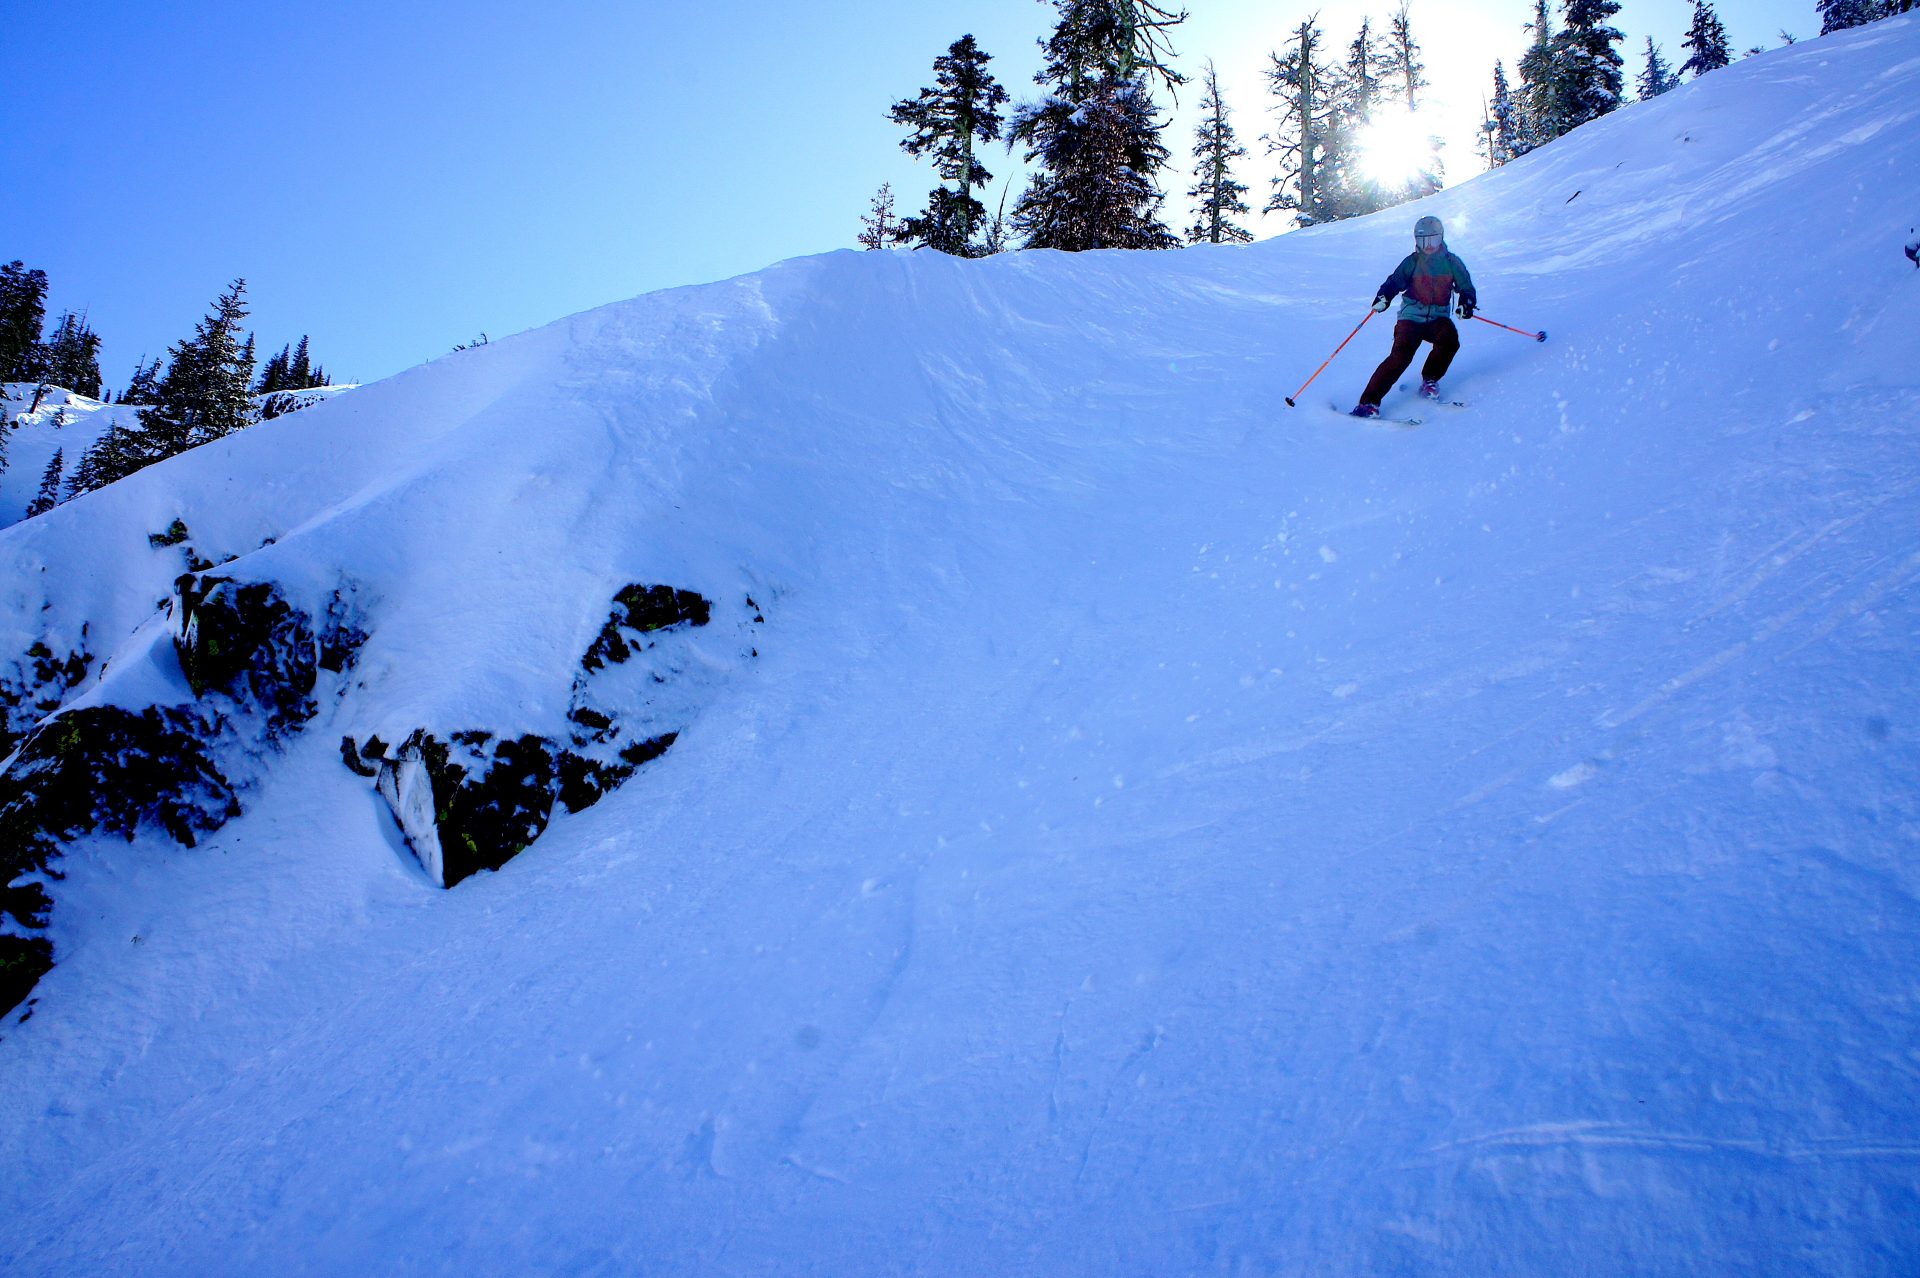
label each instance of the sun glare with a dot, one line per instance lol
(1396, 146)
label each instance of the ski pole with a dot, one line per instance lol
(1323, 367)
(1540, 336)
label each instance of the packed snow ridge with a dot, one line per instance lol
(1043, 806)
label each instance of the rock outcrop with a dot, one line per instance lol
(470, 800)
(253, 661)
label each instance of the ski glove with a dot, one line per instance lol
(1380, 304)
(1466, 309)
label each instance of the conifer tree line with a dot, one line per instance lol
(205, 389)
(1094, 137)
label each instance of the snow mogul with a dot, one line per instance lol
(1429, 277)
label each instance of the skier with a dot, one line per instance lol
(1913, 248)
(1429, 277)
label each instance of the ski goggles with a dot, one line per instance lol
(1431, 240)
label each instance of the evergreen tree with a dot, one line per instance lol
(274, 377)
(1838, 15)
(997, 235)
(71, 357)
(1094, 192)
(1588, 75)
(1405, 71)
(879, 228)
(1538, 114)
(115, 455)
(300, 372)
(206, 392)
(1096, 136)
(1501, 130)
(1357, 87)
(1707, 38)
(1306, 88)
(49, 495)
(962, 108)
(23, 308)
(1657, 78)
(145, 386)
(1221, 198)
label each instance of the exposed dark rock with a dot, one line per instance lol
(39, 684)
(643, 610)
(471, 803)
(342, 633)
(584, 781)
(252, 659)
(23, 961)
(247, 641)
(107, 768)
(101, 768)
(175, 534)
(350, 755)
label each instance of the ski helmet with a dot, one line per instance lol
(1429, 228)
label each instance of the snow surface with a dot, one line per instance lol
(1162, 832)
(65, 422)
(70, 424)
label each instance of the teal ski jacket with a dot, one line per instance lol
(1429, 280)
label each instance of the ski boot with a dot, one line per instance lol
(1365, 410)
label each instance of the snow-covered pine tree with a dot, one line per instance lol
(1838, 15)
(206, 393)
(115, 455)
(1538, 105)
(1096, 193)
(1501, 130)
(71, 357)
(144, 388)
(23, 308)
(1656, 77)
(1707, 40)
(1096, 137)
(1305, 86)
(1220, 197)
(1589, 72)
(879, 228)
(962, 108)
(49, 495)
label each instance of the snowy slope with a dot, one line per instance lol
(1162, 832)
(65, 422)
(69, 424)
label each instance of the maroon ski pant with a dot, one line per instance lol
(1407, 336)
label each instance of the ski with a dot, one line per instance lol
(1437, 400)
(1407, 423)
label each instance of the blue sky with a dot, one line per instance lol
(394, 178)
